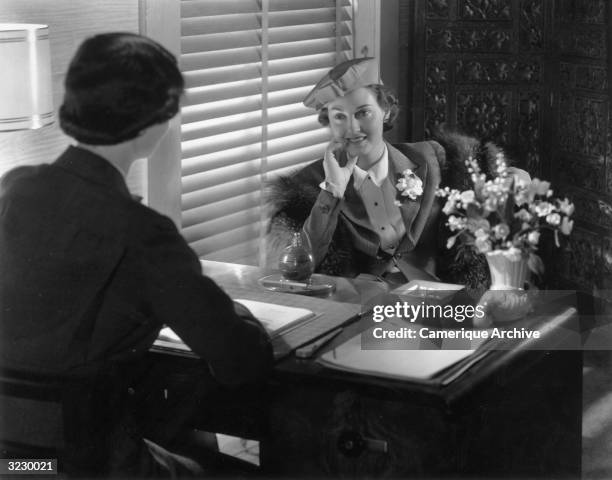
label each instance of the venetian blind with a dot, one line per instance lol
(248, 65)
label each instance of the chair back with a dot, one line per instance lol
(46, 416)
(31, 415)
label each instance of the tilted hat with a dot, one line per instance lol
(341, 79)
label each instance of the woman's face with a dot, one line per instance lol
(357, 120)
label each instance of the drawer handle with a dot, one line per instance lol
(352, 444)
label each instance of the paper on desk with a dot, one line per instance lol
(276, 318)
(169, 339)
(425, 289)
(426, 285)
(406, 364)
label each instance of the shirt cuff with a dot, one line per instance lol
(332, 188)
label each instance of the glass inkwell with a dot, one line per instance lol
(296, 265)
(296, 262)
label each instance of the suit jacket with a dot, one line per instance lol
(342, 238)
(88, 276)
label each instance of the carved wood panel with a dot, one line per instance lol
(483, 62)
(581, 155)
(531, 75)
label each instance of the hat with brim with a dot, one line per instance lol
(341, 79)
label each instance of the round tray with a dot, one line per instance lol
(318, 284)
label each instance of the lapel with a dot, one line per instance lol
(416, 212)
(398, 162)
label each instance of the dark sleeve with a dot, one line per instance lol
(224, 334)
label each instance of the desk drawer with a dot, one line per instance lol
(523, 423)
(346, 434)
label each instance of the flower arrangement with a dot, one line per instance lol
(505, 214)
(409, 185)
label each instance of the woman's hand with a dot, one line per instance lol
(335, 175)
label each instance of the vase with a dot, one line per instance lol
(296, 261)
(507, 300)
(507, 273)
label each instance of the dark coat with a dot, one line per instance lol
(88, 276)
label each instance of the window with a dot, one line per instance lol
(248, 64)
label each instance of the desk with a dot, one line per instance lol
(516, 413)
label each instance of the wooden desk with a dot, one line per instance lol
(353, 290)
(516, 413)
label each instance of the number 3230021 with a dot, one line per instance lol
(28, 466)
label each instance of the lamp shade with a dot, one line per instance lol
(26, 96)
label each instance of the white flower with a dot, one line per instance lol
(482, 244)
(553, 219)
(566, 226)
(456, 223)
(480, 233)
(410, 185)
(533, 237)
(566, 207)
(467, 197)
(540, 187)
(494, 188)
(448, 207)
(523, 215)
(502, 166)
(543, 209)
(490, 204)
(524, 194)
(486, 213)
(501, 230)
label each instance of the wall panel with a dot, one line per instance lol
(533, 76)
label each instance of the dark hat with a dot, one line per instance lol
(117, 85)
(341, 79)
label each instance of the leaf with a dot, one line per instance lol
(535, 264)
(509, 208)
(473, 211)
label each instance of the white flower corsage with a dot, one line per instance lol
(409, 185)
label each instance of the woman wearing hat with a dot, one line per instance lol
(367, 207)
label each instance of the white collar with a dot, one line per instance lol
(377, 172)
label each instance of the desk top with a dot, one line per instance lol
(348, 290)
(450, 387)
